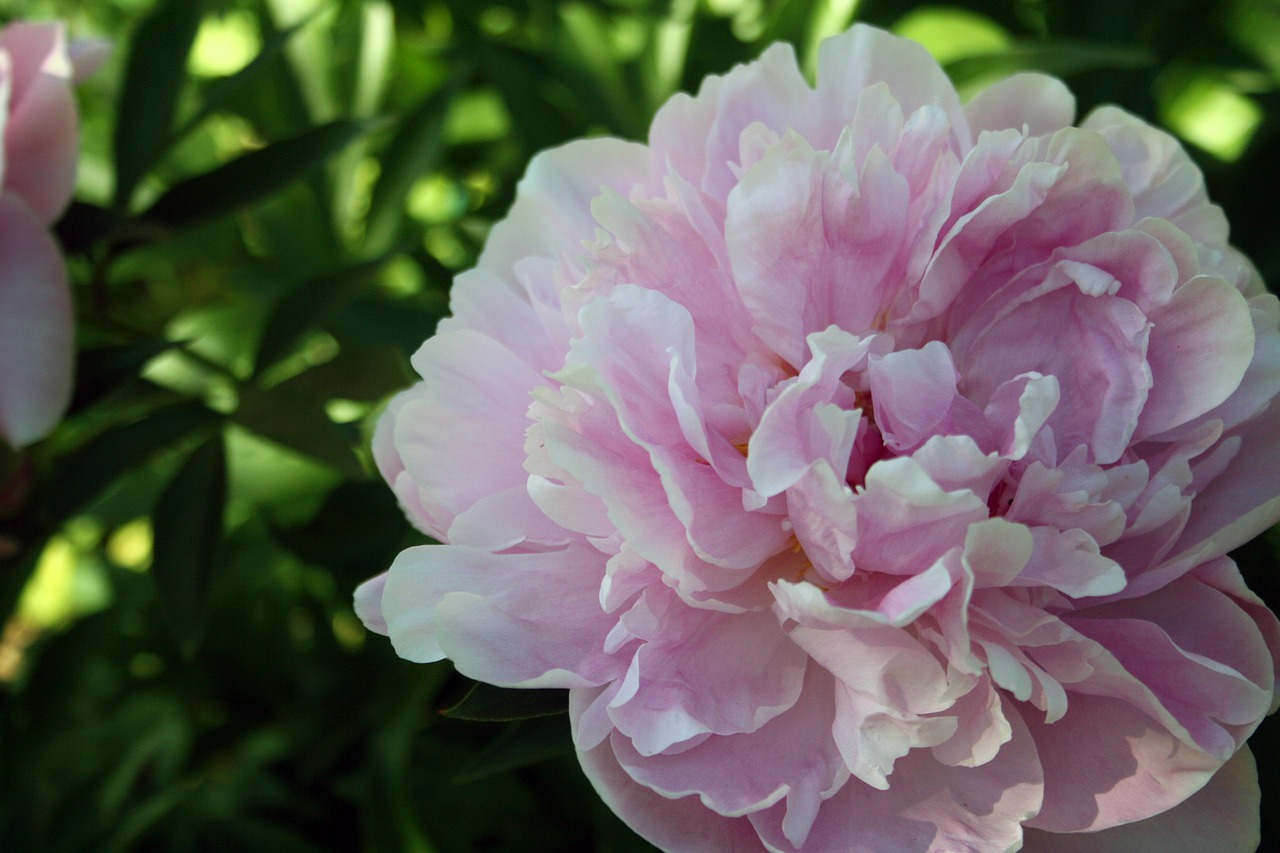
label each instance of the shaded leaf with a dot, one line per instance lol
(253, 177)
(89, 470)
(188, 532)
(500, 704)
(84, 225)
(522, 743)
(102, 370)
(415, 150)
(306, 307)
(326, 540)
(299, 422)
(153, 78)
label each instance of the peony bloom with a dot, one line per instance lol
(865, 464)
(37, 176)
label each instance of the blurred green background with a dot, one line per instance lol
(273, 198)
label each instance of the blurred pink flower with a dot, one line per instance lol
(865, 464)
(38, 116)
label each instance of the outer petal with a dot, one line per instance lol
(792, 757)
(41, 140)
(863, 56)
(1038, 102)
(1107, 763)
(1221, 817)
(527, 620)
(36, 327)
(670, 824)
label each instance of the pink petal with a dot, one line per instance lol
(927, 807)
(519, 620)
(791, 757)
(1107, 763)
(814, 242)
(36, 327)
(707, 672)
(1223, 815)
(41, 140)
(684, 824)
(1038, 102)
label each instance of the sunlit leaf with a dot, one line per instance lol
(499, 704)
(153, 78)
(218, 92)
(366, 373)
(187, 525)
(254, 176)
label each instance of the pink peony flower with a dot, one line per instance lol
(865, 464)
(38, 117)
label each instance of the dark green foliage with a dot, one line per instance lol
(257, 250)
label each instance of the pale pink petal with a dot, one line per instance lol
(792, 757)
(1201, 346)
(1221, 816)
(87, 57)
(707, 672)
(813, 243)
(36, 331)
(545, 628)
(1040, 103)
(1107, 763)
(41, 139)
(684, 824)
(928, 807)
(1164, 181)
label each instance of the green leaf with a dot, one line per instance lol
(487, 703)
(298, 421)
(103, 370)
(364, 373)
(1060, 57)
(523, 743)
(306, 307)
(153, 78)
(84, 225)
(415, 150)
(253, 177)
(217, 93)
(327, 540)
(188, 532)
(89, 470)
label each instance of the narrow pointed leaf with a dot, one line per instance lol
(85, 473)
(188, 532)
(306, 307)
(523, 743)
(220, 91)
(253, 177)
(487, 703)
(153, 78)
(415, 150)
